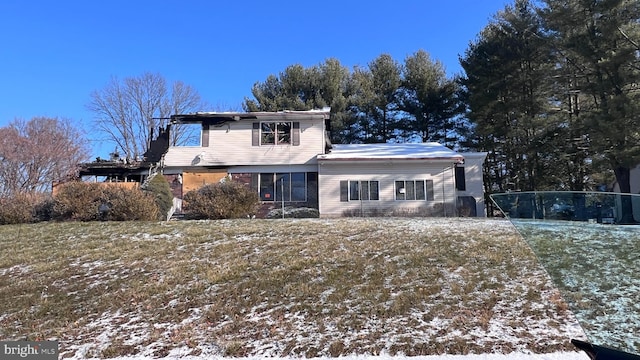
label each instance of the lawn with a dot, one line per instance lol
(596, 267)
(307, 287)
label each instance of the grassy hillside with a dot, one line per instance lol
(278, 287)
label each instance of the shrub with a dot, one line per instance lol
(161, 191)
(23, 208)
(224, 200)
(81, 201)
(43, 209)
(131, 204)
(374, 212)
(78, 201)
(292, 212)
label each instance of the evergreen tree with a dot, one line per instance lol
(572, 159)
(599, 42)
(267, 96)
(430, 100)
(379, 103)
(337, 87)
(298, 88)
(161, 191)
(376, 99)
(507, 98)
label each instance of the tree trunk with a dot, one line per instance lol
(623, 177)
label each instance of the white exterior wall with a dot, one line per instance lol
(473, 164)
(330, 174)
(231, 144)
(272, 169)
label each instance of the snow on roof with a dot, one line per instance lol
(406, 151)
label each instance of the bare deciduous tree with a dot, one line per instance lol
(38, 152)
(128, 111)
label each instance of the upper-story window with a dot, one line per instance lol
(276, 133)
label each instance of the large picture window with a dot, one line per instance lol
(351, 190)
(275, 133)
(290, 187)
(414, 190)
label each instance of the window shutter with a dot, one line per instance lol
(205, 135)
(295, 134)
(255, 134)
(344, 190)
(461, 182)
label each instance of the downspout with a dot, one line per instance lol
(444, 196)
(455, 190)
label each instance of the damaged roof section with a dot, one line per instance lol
(219, 118)
(121, 167)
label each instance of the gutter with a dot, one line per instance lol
(455, 160)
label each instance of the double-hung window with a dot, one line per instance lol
(414, 190)
(351, 190)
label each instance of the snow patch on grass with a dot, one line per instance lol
(301, 288)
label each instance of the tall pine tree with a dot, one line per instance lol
(599, 42)
(328, 84)
(507, 99)
(430, 100)
(376, 99)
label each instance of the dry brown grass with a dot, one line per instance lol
(307, 287)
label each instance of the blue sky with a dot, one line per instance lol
(53, 54)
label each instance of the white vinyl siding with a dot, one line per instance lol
(473, 184)
(331, 174)
(231, 144)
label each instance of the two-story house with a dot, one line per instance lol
(273, 152)
(287, 159)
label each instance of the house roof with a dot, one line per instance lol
(214, 118)
(402, 151)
